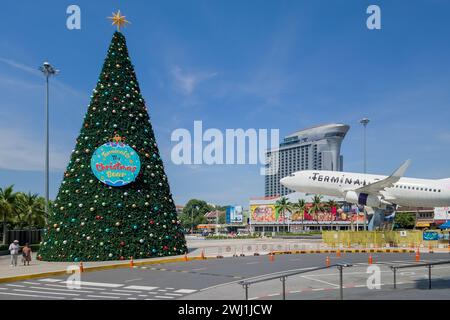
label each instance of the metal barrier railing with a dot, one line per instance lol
(283, 276)
(429, 265)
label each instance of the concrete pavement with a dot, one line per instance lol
(217, 279)
(211, 248)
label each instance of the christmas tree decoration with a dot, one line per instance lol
(114, 201)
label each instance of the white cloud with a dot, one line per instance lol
(187, 82)
(445, 136)
(24, 153)
(62, 88)
(20, 66)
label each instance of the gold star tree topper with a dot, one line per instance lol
(118, 20)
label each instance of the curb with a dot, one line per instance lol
(96, 268)
(345, 251)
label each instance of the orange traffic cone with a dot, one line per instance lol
(271, 257)
(81, 267)
(185, 257)
(370, 259)
(338, 253)
(327, 261)
(417, 255)
(131, 262)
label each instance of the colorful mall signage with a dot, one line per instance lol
(115, 164)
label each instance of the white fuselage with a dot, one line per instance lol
(406, 192)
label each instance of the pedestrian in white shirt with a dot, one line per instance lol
(14, 251)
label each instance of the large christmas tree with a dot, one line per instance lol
(114, 201)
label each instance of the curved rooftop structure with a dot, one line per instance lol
(317, 133)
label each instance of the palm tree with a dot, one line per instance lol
(8, 200)
(282, 206)
(316, 207)
(332, 204)
(300, 207)
(32, 207)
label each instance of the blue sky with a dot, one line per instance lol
(234, 64)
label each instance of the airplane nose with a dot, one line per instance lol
(285, 181)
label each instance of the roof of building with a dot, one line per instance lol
(292, 197)
(320, 129)
(213, 214)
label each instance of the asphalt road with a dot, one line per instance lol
(218, 279)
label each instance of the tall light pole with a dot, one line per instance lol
(365, 122)
(48, 70)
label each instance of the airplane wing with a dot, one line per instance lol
(388, 182)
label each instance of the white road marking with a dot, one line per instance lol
(253, 262)
(64, 290)
(141, 288)
(15, 285)
(65, 286)
(131, 280)
(130, 291)
(115, 293)
(3, 288)
(254, 298)
(174, 294)
(40, 292)
(198, 269)
(142, 295)
(164, 297)
(162, 290)
(103, 297)
(326, 282)
(185, 291)
(170, 288)
(30, 295)
(95, 284)
(32, 283)
(50, 280)
(131, 298)
(273, 294)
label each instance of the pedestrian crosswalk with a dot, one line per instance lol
(57, 289)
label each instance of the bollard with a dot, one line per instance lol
(185, 257)
(327, 261)
(417, 255)
(81, 267)
(430, 249)
(370, 259)
(203, 254)
(338, 253)
(271, 257)
(131, 262)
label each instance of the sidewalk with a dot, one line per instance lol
(41, 268)
(211, 248)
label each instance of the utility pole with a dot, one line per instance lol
(365, 122)
(48, 70)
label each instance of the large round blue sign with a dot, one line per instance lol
(115, 164)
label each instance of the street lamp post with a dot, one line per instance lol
(365, 122)
(48, 70)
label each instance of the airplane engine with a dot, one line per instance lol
(364, 199)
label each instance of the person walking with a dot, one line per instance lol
(14, 251)
(26, 254)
